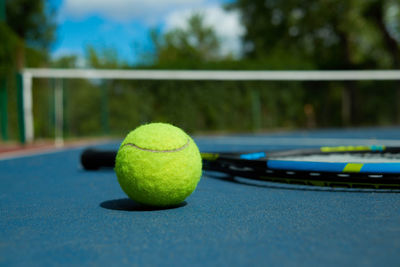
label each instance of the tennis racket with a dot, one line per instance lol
(376, 167)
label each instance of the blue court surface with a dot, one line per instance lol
(52, 212)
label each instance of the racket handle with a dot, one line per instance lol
(93, 159)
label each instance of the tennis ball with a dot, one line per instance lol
(158, 164)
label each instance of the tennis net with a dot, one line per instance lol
(59, 103)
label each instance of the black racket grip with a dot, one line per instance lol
(94, 159)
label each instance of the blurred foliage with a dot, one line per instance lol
(280, 35)
(32, 21)
(182, 47)
(104, 58)
(330, 34)
(8, 42)
(25, 38)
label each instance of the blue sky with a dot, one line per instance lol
(125, 24)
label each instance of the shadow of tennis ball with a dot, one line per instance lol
(127, 204)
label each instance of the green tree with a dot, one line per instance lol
(106, 58)
(67, 61)
(332, 34)
(33, 22)
(25, 38)
(187, 48)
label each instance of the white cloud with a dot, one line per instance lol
(172, 13)
(125, 10)
(225, 23)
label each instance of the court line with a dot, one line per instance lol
(235, 140)
(50, 150)
(32, 153)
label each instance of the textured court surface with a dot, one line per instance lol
(54, 213)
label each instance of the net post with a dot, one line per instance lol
(4, 108)
(59, 114)
(24, 103)
(28, 111)
(20, 105)
(3, 85)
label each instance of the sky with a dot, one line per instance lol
(125, 24)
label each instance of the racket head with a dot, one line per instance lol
(363, 167)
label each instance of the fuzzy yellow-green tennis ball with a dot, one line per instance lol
(158, 164)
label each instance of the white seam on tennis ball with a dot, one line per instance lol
(160, 151)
